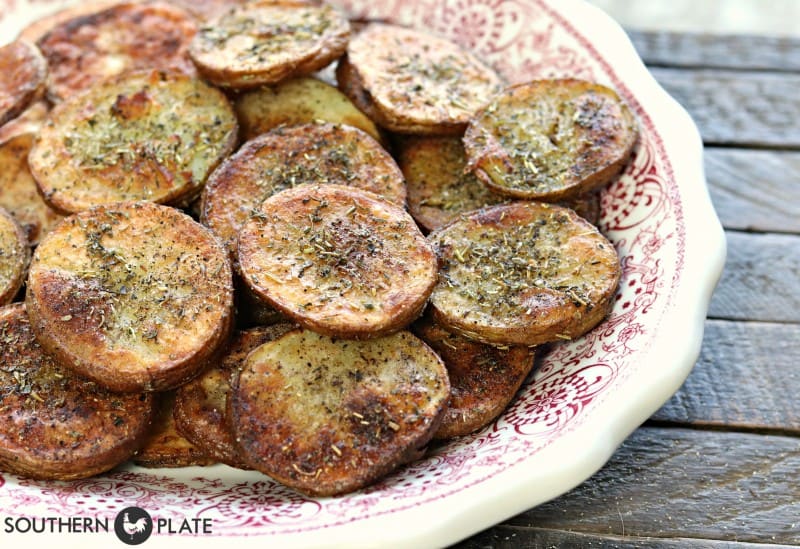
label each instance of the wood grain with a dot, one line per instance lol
(682, 483)
(520, 537)
(738, 108)
(717, 51)
(761, 279)
(755, 190)
(746, 377)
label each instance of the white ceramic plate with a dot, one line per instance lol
(581, 404)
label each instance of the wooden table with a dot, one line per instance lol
(719, 464)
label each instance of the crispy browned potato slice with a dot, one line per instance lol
(42, 25)
(125, 37)
(14, 257)
(287, 157)
(142, 136)
(56, 425)
(264, 43)
(30, 121)
(18, 192)
(201, 405)
(328, 416)
(551, 139)
(134, 295)
(483, 378)
(338, 260)
(165, 446)
(409, 81)
(439, 189)
(298, 101)
(24, 72)
(523, 273)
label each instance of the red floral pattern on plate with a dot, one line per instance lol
(641, 214)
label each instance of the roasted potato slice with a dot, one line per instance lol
(287, 157)
(42, 25)
(24, 72)
(409, 81)
(14, 257)
(18, 192)
(439, 189)
(141, 136)
(523, 273)
(338, 260)
(125, 37)
(201, 412)
(551, 140)
(205, 10)
(53, 423)
(327, 416)
(298, 101)
(165, 446)
(134, 295)
(264, 43)
(30, 121)
(483, 378)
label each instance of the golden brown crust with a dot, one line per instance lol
(56, 425)
(439, 188)
(165, 446)
(338, 260)
(410, 81)
(19, 193)
(14, 257)
(201, 412)
(298, 101)
(136, 296)
(551, 140)
(327, 417)
(122, 38)
(24, 72)
(523, 273)
(259, 43)
(287, 157)
(141, 136)
(483, 378)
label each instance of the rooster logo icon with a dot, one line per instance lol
(133, 525)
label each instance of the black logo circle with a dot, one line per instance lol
(133, 525)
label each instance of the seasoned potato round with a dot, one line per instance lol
(439, 188)
(55, 424)
(551, 139)
(523, 273)
(483, 378)
(18, 192)
(298, 101)
(328, 416)
(134, 295)
(201, 409)
(164, 445)
(410, 81)
(125, 37)
(287, 157)
(264, 43)
(14, 256)
(142, 136)
(338, 260)
(24, 72)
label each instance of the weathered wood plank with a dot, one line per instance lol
(761, 279)
(738, 108)
(747, 377)
(717, 51)
(755, 189)
(518, 537)
(679, 483)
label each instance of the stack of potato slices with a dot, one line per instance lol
(219, 258)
